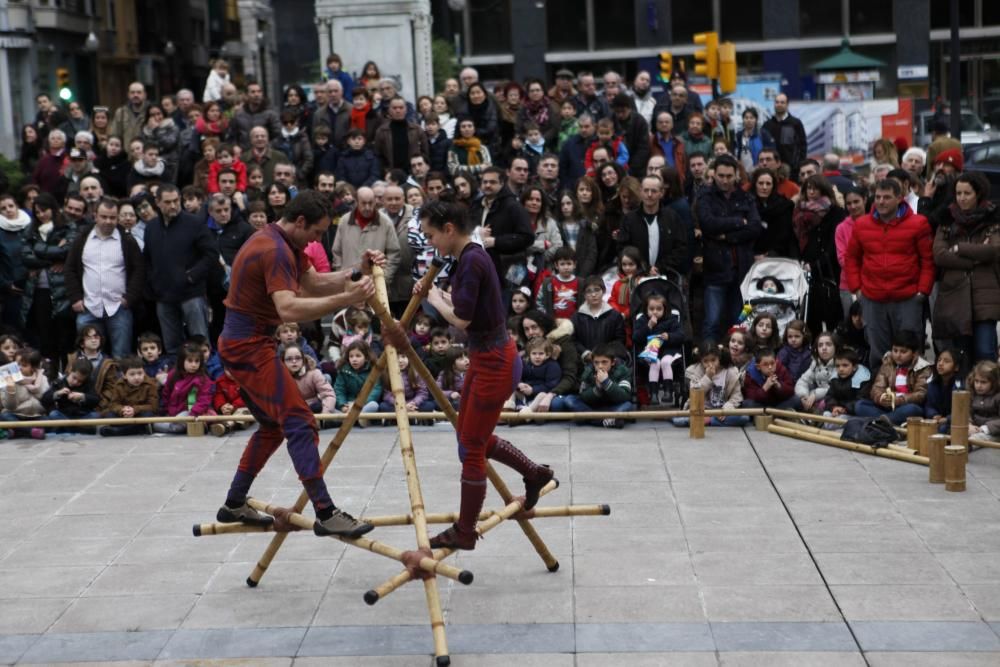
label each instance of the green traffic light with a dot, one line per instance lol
(65, 94)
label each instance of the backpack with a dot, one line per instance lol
(875, 432)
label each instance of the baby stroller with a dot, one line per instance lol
(790, 298)
(671, 286)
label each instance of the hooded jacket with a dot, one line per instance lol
(615, 390)
(732, 390)
(591, 329)
(227, 390)
(176, 391)
(314, 387)
(916, 380)
(569, 360)
(753, 385)
(816, 380)
(846, 392)
(349, 383)
(26, 399)
(144, 398)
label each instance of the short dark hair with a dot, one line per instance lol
(890, 184)
(763, 353)
(773, 151)
(493, 169)
(606, 350)
(439, 213)
(150, 337)
(309, 204)
(695, 154)
(809, 160)
(727, 161)
(107, 202)
(439, 332)
(847, 354)
(129, 363)
(30, 356)
(594, 281)
(563, 253)
(194, 191)
(354, 132)
(165, 188)
(908, 339)
(81, 366)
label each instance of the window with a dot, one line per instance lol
(817, 19)
(697, 18)
(489, 21)
(941, 13)
(614, 24)
(991, 13)
(870, 17)
(742, 21)
(566, 24)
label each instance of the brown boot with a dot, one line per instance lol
(535, 476)
(462, 534)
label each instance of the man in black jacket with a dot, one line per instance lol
(655, 230)
(180, 253)
(574, 151)
(504, 227)
(634, 130)
(105, 276)
(788, 132)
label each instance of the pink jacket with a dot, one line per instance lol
(312, 385)
(174, 399)
(314, 251)
(841, 238)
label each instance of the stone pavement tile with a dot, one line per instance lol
(830, 491)
(636, 450)
(673, 659)
(95, 663)
(225, 662)
(178, 524)
(782, 637)
(125, 613)
(514, 638)
(30, 616)
(712, 494)
(162, 578)
(754, 569)
(986, 599)
(904, 602)
(205, 549)
(523, 568)
(282, 575)
(32, 504)
(848, 512)
(253, 609)
(972, 506)
(46, 582)
(881, 568)
(91, 526)
(643, 637)
(944, 536)
(877, 636)
(647, 516)
(233, 643)
(844, 467)
(506, 660)
(13, 647)
(374, 661)
(746, 539)
(296, 547)
(510, 604)
(638, 604)
(769, 603)
(118, 502)
(838, 538)
(381, 640)
(97, 646)
(979, 568)
(951, 659)
(706, 467)
(790, 659)
(600, 534)
(723, 517)
(616, 493)
(37, 552)
(345, 605)
(615, 568)
(616, 471)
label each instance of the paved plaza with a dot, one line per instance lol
(745, 548)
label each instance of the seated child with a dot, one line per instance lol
(812, 386)
(9, 347)
(88, 346)
(851, 333)
(947, 378)
(213, 362)
(420, 332)
(188, 391)
(538, 377)
(315, 389)
(289, 333)
(659, 333)
(437, 358)
(984, 414)
(559, 292)
(352, 371)
(22, 400)
(764, 333)
(720, 379)
(73, 397)
(359, 324)
(796, 352)
(900, 386)
(414, 390)
(606, 386)
(768, 384)
(853, 383)
(451, 379)
(227, 400)
(135, 394)
(154, 363)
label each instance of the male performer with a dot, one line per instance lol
(272, 282)
(475, 305)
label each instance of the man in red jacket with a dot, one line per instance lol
(890, 268)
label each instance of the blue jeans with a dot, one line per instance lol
(116, 328)
(573, 403)
(868, 408)
(55, 414)
(982, 344)
(722, 308)
(175, 317)
(732, 420)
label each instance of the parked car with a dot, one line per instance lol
(985, 158)
(974, 130)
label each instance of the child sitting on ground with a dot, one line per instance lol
(420, 332)
(9, 347)
(852, 383)
(88, 346)
(227, 400)
(764, 333)
(812, 386)
(135, 394)
(606, 386)
(900, 386)
(188, 391)
(153, 362)
(715, 374)
(768, 384)
(984, 414)
(947, 378)
(437, 358)
(451, 379)
(559, 293)
(289, 333)
(353, 368)
(797, 353)
(73, 397)
(314, 388)
(659, 333)
(414, 390)
(538, 377)
(213, 362)
(22, 399)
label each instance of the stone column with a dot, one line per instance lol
(423, 66)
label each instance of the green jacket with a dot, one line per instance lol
(349, 382)
(615, 390)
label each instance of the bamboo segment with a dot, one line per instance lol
(761, 422)
(696, 404)
(961, 403)
(821, 438)
(955, 458)
(989, 444)
(935, 467)
(913, 428)
(928, 428)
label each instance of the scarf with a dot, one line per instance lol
(807, 216)
(968, 220)
(45, 229)
(148, 172)
(537, 148)
(538, 111)
(204, 127)
(17, 224)
(359, 117)
(471, 146)
(289, 134)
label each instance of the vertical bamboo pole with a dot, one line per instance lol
(928, 428)
(913, 432)
(936, 443)
(955, 458)
(961, 402)
(697, 407)
(761, 422)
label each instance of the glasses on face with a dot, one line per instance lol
(293, 358)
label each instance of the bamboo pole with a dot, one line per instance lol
(508, 512)
(913, 428)
(331, 449)
(380, 548)
(955, 458)
(935, 467)
(824, 439)
(215, 528)
(929, 428)
(696, 405)
(961, 403)
(989, 444)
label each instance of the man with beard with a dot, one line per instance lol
(255, 112)
(643, 96)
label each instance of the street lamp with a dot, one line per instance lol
(91, 44)
(169, 50)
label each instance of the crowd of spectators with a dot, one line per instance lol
(115, 255)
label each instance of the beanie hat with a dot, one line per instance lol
(952, 156)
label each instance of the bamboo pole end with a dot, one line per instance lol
(251, 583)
(605, 510)
(761, 422)
(371, 597)
(443, 661)
(464, 577)
(553, 567)
(196, 529)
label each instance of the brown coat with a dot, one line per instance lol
(417, 140)
(916, 380)
(969, 283)
(144, 398)
(102, 380)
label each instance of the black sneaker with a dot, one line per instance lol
(342, 524)
(243, 514)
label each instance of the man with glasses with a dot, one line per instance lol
(129, 117)
(180, 253)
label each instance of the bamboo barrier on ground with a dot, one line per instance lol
(819, 436)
